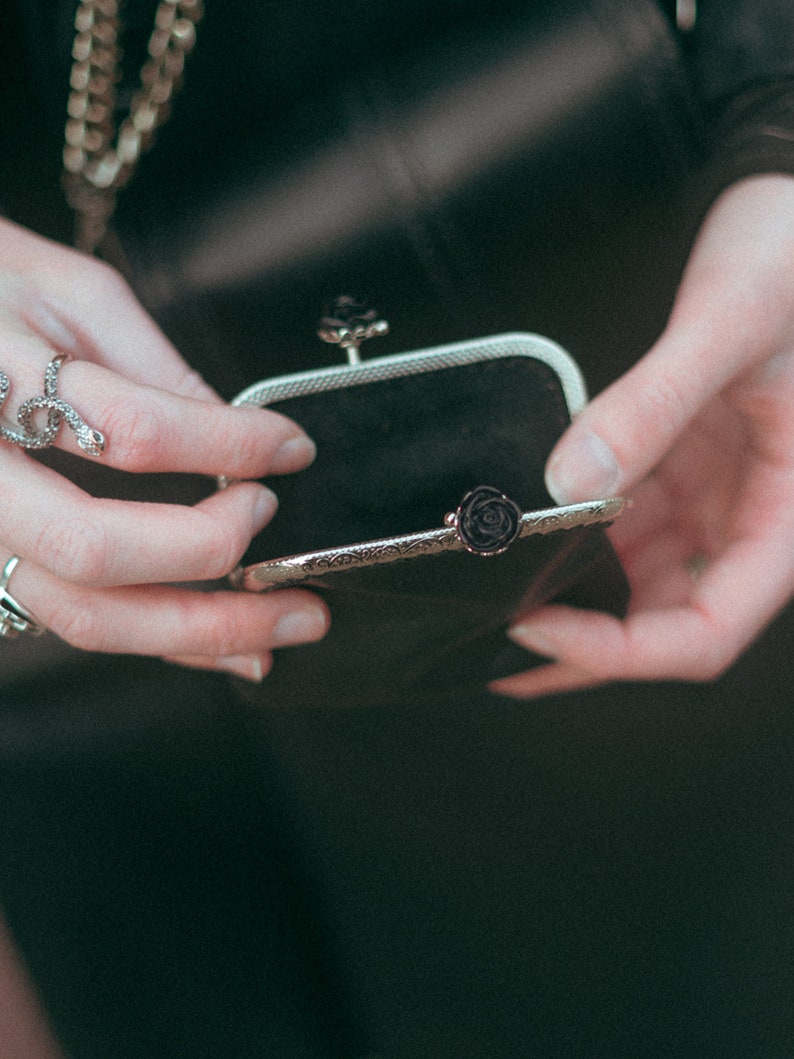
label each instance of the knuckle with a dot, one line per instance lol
(105, 281)
(219, 551)
(75, 549)
(79, 624)
(138, 433)
(254, 447)
(221, 531)
(218, 633)
(253, 435)
(248, 441)
(217, 641)
(711, 663)
(666, 404)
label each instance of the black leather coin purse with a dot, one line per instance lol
(424, 521)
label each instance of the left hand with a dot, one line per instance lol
(701, 433)
(108, 575)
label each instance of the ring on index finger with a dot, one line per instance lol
(58, 411)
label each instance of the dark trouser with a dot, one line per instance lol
(606, 874)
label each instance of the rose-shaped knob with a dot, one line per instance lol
(348, 322)
(486, 521)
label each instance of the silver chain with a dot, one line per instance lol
(97, 158)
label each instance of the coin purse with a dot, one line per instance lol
(424, 521)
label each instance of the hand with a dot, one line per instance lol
(96, 571)
(701, 431)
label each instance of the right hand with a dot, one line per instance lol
(97, 571)
(700, 432)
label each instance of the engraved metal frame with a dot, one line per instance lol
(295, 569)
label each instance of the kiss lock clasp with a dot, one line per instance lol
(348, 322)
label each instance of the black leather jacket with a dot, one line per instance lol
(263, 61)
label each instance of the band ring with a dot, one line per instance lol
(14, 618)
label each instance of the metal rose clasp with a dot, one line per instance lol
(486, 521)
(348, 322)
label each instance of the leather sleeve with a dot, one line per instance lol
(740, 58)
(740, 44)
(754, 133)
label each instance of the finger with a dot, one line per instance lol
(148, 429)
(603, 647)
(735, 308)
(169, 622)
(250, 667)
(650, 509)
(624, 433)
(81, 306)
(660, 573)
(551, 679)
(725, 607)
(732, 601)
(87, 540)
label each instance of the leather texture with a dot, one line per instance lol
(471, 178)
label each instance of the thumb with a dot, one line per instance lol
(733, 310)
(630, 427)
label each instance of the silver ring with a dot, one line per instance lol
(58, 411)
(14, 618)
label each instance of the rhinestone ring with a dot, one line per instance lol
(28, 437)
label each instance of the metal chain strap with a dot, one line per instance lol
(98, 160)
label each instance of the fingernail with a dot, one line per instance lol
(300, 626)
(250, 667)
(584, 470)
(293, 455)
(528, 634)
(265, 508)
